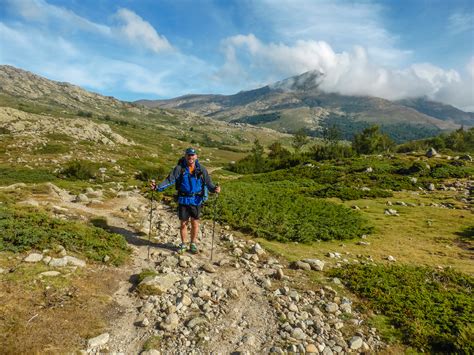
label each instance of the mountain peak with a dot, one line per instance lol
(307, 81)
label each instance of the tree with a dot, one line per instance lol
(332, 134)
(371, 140)
(257, 154)
(277, 151)
(299, 139)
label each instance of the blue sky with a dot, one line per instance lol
(164, 48)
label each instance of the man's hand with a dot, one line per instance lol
(153, 184)
(218, 189)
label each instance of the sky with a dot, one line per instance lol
(150, 49)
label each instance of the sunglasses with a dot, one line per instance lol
(190, 155)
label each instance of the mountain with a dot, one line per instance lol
(442, 111)
(47, 124)
(299, 103)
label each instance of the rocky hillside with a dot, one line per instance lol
(297, 102)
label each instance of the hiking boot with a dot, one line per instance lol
(193, 248)
(182, 248)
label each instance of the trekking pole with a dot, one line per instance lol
(151, 218)
(214, 223)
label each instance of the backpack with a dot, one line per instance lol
(198, 172)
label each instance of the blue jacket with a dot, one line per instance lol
(190, 186)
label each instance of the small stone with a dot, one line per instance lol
(391, 258)
(106, 258)
(196, 321)
(170, 323)
(81, 198)
(233, 293)
(186, 300)
(50, 273)
(33, 258)
(331, 307)
(46, 259)
(298, 334)
(311, 349)
(355, 342)
(209, 268)
(150, 352)
(100, 340)
(71, 260)
(431, 187)
(391, 212)
(2, 271)
(279, 274)
(58, 262)
(205, 295)
(202, 281)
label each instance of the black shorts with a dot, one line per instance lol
(186, 211)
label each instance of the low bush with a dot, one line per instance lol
(277, 210)
(11, 175)
(22, 230)
(53, 148)
(80, 170)
(432, 308)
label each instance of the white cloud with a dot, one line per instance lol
(341, 23)
(129, 27)
(41, 11)
(137, 30)
(348, 73)
(459, 22)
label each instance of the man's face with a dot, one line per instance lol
(191, 158)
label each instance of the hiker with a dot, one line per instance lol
(192, 181)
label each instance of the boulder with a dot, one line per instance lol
(71, 260)
(355, 342)
(100, 340)
(33, 258)
(301, 265)
(159, 284)
(315, 264)
(58, 262)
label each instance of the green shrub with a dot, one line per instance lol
(277, 210)
(80, 170)
(53, 148)
(432, 308)
(22, 230)
(149, 172)
(11, 175)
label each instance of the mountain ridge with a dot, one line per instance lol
(299, 103)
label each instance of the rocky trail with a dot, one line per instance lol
(241, 302)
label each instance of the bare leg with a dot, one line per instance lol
(194, 230)
(183, 230)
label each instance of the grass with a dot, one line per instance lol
(12, 175)
(23, 229)
(420, 235)
(432, 308)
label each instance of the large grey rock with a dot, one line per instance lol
(71, 260)
(33, 258)
(58, 262)
(161, 283)
(100, 340)
(82, 198)
(301, 265)
(355, 342)
(316, 264)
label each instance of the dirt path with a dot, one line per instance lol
(235, 303)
